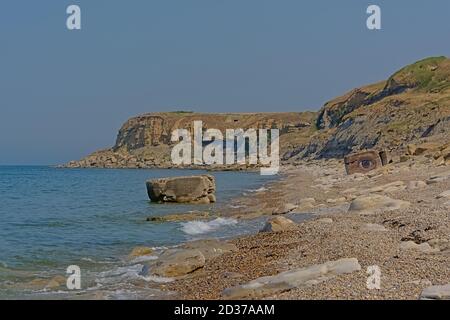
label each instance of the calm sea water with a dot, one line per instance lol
(51, 218)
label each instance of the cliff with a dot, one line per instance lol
(145, 141)
(412, 105)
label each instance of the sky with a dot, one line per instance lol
(65, 94)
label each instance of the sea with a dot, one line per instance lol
(52, 218)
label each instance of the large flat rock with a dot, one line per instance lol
(292, 279)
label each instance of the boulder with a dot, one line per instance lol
(373, 203)
(192, 189)
(292, 279)
(178, 262)
(279, 224)
(436, 293)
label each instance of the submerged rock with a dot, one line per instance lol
(189, 216)
(193, 189)
(140, 251)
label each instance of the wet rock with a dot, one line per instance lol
(279, 224)
(175, 263)
(140, 251)
(292, 279)
(436, 293)
(193, 189)
(189, 216)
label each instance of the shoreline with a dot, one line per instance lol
(410, 243)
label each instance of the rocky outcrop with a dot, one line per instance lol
(145, 141)
(193, 189)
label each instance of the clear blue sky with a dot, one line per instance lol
(64, 94)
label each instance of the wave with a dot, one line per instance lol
(258, 190)
(200, 227)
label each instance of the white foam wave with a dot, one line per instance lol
(200, 227)
(158, 279)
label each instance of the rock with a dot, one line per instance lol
(211, 248)
(337, 200)
(189, 216)
(404, 158)
(306, 203)
(411, 245)
(372, 203)
(325, 220)
(445, 194)
(52, 284)
(279, 224)
(416, 150)
(292, 279)
(439, 244)
(436, 293)
(140, 251)
(286, 208)
(193, 189)
(413, 185)
(438, 178)
(373, 227)
(176, 263)
(390, 187)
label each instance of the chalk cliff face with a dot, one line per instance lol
(413, 104)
